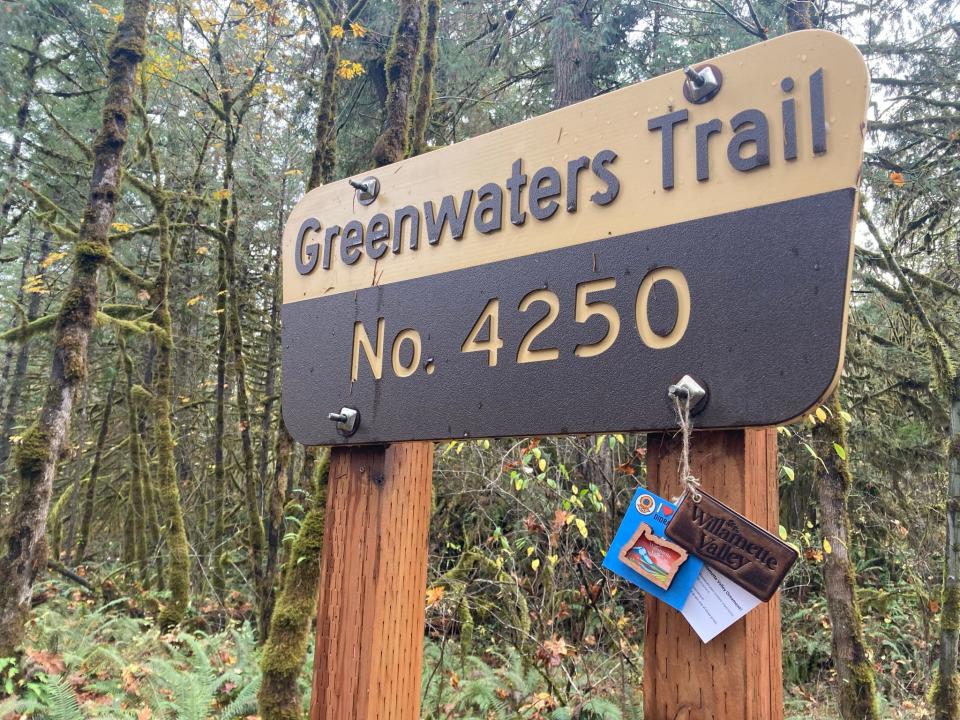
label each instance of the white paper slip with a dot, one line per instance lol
(715, 603)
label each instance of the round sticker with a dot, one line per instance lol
(646, 504)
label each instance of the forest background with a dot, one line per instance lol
(167, 567)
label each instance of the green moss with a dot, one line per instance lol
(421, 115)
(286, 646)
(859, 696)
(950, 609)
(91, 254)
(391, 146)
(945, 697)
(33, 453)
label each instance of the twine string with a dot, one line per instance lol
(688, 480)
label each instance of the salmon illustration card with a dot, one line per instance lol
(641, 554)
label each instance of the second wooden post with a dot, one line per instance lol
(373, 574)
(739, 674)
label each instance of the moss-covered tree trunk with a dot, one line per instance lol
(178, 559)
(282, 451)
(12, 165)
(90, 488)
(24, 549)
(324, 150)
(946, 383)
(255, 533)
(15, 386)
(947, 691)
(421, 114)
(278, 498)
(856, 687)
(286, 647)
(219, 429)
(135, 470)
(391, 146)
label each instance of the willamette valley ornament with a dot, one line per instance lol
(730, 544)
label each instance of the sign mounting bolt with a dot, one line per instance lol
(367, 189)
(347, 420)
(701, 84)
(687, 387)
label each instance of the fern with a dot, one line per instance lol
(245, 703)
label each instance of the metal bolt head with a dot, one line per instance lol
(701, 84)
(347, 420)
(687, 387)
(367, 189)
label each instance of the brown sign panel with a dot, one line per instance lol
(558, 275)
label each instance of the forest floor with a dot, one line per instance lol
(96, 660)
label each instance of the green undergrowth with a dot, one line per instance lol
(85, 659)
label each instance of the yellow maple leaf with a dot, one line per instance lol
(121, 227)
(336, 31)
(221, 194)
(194, 300)
(51, 259)
(202, 250)
(100, 9)
(348, 69)
(357, 29)
(435, 595)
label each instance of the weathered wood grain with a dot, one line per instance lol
(370, 614)
(738, 675)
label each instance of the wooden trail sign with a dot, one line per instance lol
(557, 275)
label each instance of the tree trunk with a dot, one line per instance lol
(23, 541)
(178, 558)
(20, 366)
(421, 115)
(283, 655)
(90, 489)
(23, 114)
(137, 509)
(856, 688)
(324, 150)
(255, 532)
(572, 60)
(284, 445)
(278, 498)
(219, 429)
(391, 145)
(946, 695)
(800, 15)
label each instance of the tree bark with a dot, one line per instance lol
(421, 115)
(286, 647)
(800, 15)
(391, 145)
(219, 429)
(137, 507)
(856, 687)
(23, 543)
(90, 489)
(572, 59)
(23, 114)
(20, 365)
(947, 691)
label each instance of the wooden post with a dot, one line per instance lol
(373, 573)
(739, 674)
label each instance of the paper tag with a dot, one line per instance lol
(640, 553)
(715, 603)
(732, 545)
